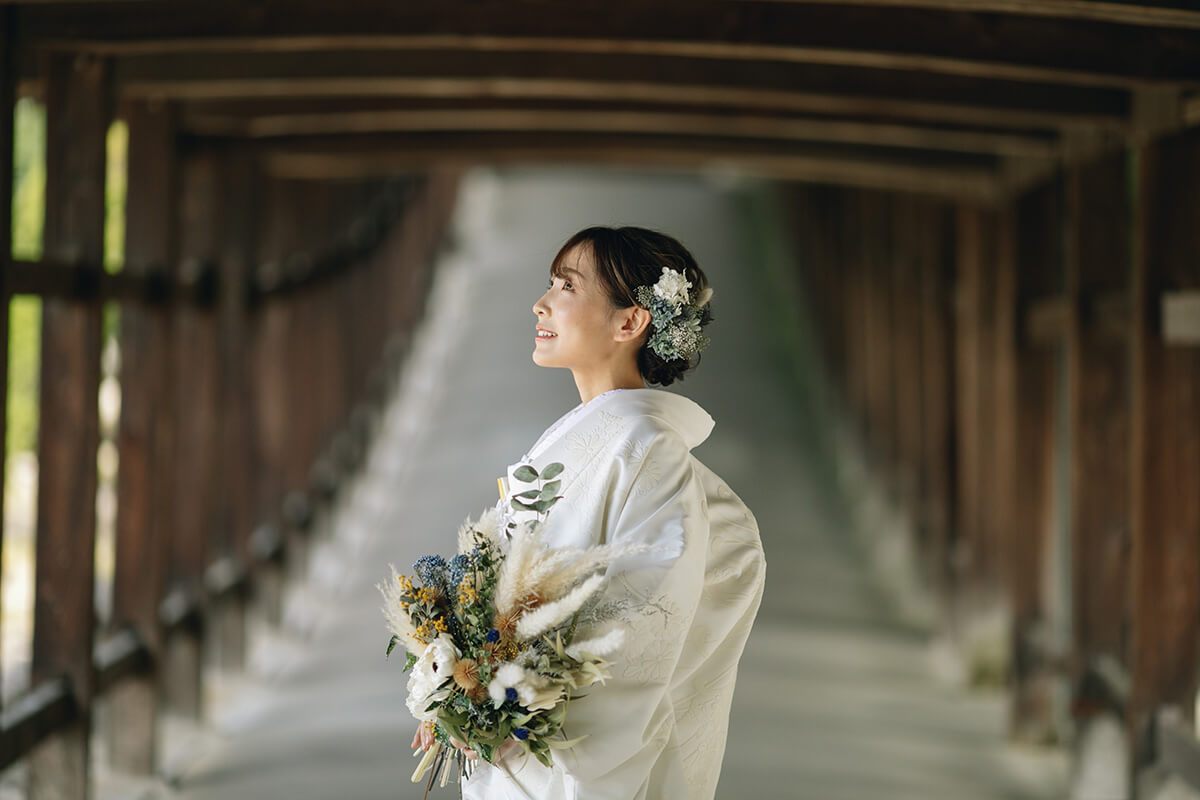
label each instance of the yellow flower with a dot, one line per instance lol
(428, 594)
(440, 624)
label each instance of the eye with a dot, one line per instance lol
(567, 284)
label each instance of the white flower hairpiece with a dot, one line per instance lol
(675, 321)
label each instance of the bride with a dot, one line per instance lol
(626, 307)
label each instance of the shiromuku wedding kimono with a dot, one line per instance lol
(656, 730)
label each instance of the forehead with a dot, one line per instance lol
(577, 261)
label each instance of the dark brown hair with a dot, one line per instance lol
(627, 258)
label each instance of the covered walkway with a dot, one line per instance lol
(840, 695)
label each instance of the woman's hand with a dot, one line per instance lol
(504, 749)
(423, 738)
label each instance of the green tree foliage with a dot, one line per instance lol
(25, 312)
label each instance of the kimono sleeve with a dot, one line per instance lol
(629, 719)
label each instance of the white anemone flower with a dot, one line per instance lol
(673, 287)
(431, 670)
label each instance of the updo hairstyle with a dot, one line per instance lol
(629, 257)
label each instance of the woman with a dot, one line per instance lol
(624, 307)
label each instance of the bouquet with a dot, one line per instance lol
(491, 634)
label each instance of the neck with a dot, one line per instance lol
(591, 385)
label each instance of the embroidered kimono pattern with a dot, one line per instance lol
(657, 728)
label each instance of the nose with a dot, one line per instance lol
(539, 308)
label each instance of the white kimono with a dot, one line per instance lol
(657, 729)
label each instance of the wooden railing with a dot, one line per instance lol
(262, 325)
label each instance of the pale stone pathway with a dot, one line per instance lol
(836, 699)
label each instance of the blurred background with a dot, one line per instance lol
(267, 320)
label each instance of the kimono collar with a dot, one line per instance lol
(684, 416)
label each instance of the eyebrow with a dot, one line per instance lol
(575, 272)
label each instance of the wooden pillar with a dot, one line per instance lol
(145, 439)
(934, 242)
(1165, 433)
(197, 437)
(237, 191)
(857, 285)
(1034, 564)
(78, 112)
(1097, 278)
(881, 426)
(971, 241)
(906, 338)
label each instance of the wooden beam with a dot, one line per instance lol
(78, 112)
(956, 41)
(268, 73)
(679, 123)
(1108, 111)
(974, 182)
(1124, 13)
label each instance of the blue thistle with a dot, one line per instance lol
(510, 694)
(431, 570)
(457, 568)
(493, 635)
(521, 733)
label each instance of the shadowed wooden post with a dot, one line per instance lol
(1097, 279)
(1004, 337)
(880, 367)
(145, 488)
(197, 437)
(1165, 433)
(968, 297)
(906, 285)
(935, 250)
(78, 112)
(1033, 564)
(238, 201)
(849, 237)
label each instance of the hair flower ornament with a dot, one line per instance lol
(675, 321)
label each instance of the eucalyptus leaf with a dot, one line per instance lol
(552, 470)
(556, 744)
(525, 473)
(541, 505)
(391, 645)
(525, 506)
(410, 661)
(531, 494)
(549, 490)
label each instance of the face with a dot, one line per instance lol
(576, 323)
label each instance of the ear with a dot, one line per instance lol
(631, 322)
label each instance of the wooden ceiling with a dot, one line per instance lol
(947, 96)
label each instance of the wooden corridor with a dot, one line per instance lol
(837, 698)
(993, 208)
